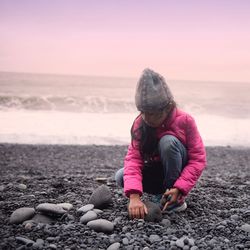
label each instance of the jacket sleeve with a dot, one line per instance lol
(196, 158)
(133, 164)
(133, 171)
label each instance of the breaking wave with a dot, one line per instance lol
(91, 104)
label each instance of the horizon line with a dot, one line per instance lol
(113, 76)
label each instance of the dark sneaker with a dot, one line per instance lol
(176, 207)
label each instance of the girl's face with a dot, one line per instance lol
(154, 119)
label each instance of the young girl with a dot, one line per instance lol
(166, 155)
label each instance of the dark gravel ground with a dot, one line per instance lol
(218, 206)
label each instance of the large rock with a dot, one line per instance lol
(101, 197)
(22, 214)
(51, 209)
(101, 225)
(154, 212)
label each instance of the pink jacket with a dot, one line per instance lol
(182, 126)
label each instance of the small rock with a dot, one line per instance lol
(114, 246)
(41, 218)
(101, 179)
(154, 238)
(28, 225)
(154, 212)
(85, 209)
(38, 244)
(101, 225)
(125, 241)
(194, 248)
(97, 211)
(25, 241)
(50, 209)
(2, 188)
(101, 197)
(21, 214)
(180, 243)
(89, 216)
(66, 206)
(166, 223)
(246, 228)
(52, 246)
(234, 217)
(191, 242)
(21, 186)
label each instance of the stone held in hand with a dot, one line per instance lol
(154, 212)
(89, 216)
(51, 209)
(101, 225)
(22, 214)
(101, 197)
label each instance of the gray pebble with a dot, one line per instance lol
(97, 211)
(89, 216)
(114, 246)
(125, 241)
(21, 214)
(246, 228)
(85, 209)
(154, 238)
(180, 243)
(65, 206)
(41, 218)
(2, 188)
(194, 248)
(165, 223)
(25, 241)
(38, 244)
(101, 225)
(21, 186)
(234, 217)
(51, 209)
(52, 246)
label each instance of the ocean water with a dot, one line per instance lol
(57, 109)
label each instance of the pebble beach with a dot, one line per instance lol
(217, 217)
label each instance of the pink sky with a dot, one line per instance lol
(190, 40)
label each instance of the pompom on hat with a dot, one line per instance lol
(152, 92)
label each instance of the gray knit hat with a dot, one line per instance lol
(152, 92)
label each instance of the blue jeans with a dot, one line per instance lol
(158, 176)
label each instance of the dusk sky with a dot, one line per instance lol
(190, 40)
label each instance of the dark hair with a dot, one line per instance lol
(146, 135)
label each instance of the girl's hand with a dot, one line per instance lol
(174, 194)
(136, 207)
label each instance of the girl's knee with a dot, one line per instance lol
(119, 177)
(167, 142)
